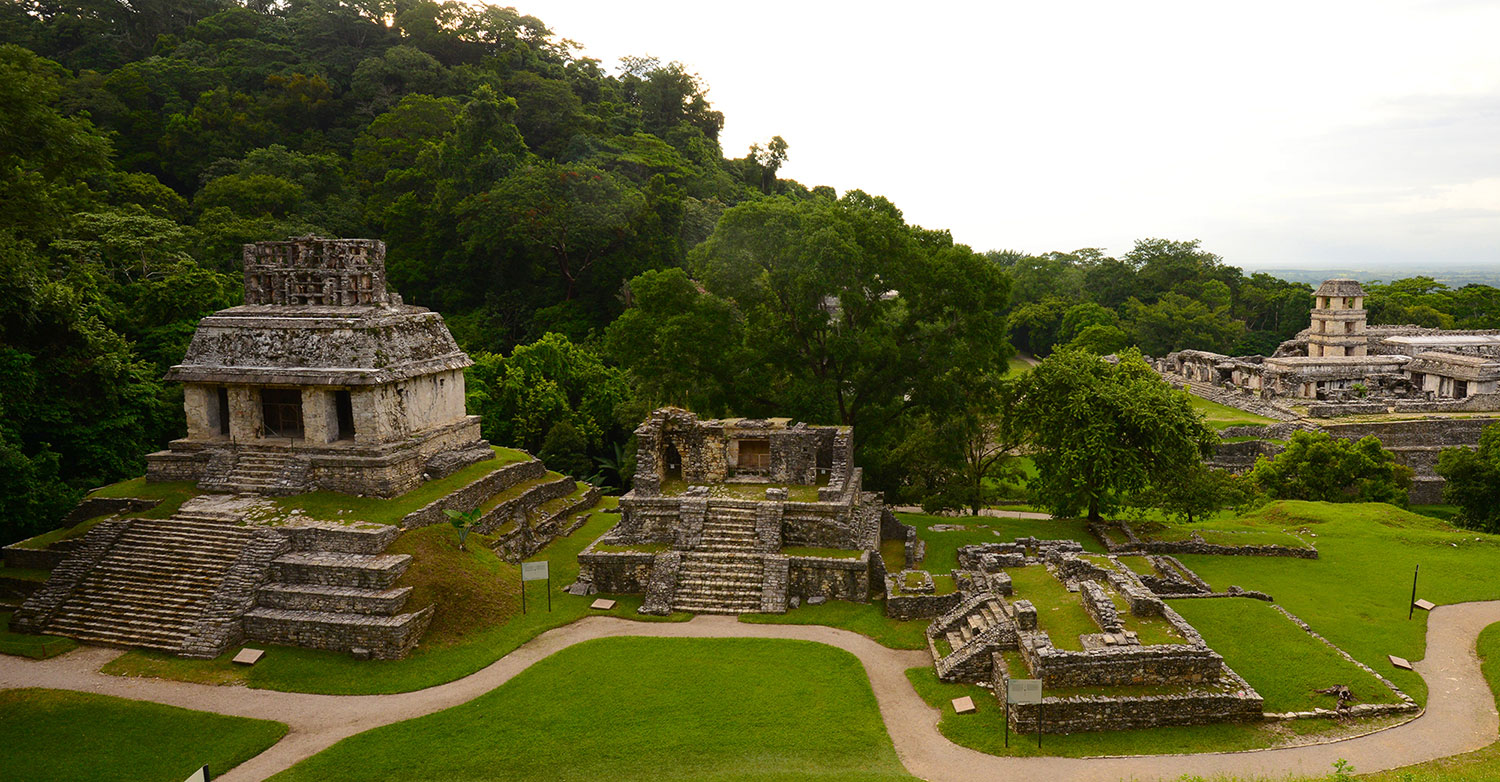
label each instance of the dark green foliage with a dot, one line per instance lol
(565, 451)
(1195, 493)
(1101, 433)
(1317, 466)
(1473, 481)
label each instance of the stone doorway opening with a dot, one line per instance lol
(343, 407)
(754, 457)
(281, 412)
(672, 463)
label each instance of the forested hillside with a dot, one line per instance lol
(576, 222)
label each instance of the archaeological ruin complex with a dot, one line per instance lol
(740, 515)
(322, 381)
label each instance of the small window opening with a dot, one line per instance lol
(223, 410)
(344, 406)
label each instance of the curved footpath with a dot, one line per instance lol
(1460, 715)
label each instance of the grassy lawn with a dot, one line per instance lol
(476, 623)
(1279, 659)
(1150, 630)
(1356, 593)
(58, 736)
(332, 506)
(864, 618)
(1221, 416)
(1224, 530)
(942, 547)
(642, 708)
(37, 647)
(984, 730)
(1058, 612)
(1139, 565)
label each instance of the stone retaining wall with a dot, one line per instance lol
(472, 496)
(1236, 701)
(380, 637)
(907, 606)
(616, 573)
(1135, 545)
(518, 507)
(220, 624)
(835, 579)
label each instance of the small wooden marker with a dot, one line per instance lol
(964, 705)
(248, 656)
(1426, 605)
(603, 604)
(1400, 662)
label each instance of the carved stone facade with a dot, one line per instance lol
(323, 379)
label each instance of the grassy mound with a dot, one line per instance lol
(643, 708)
(58, 736)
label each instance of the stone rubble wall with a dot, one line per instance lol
(37, 612)
(472, 496)
(661, 584)
(347, 600)
(530, 537)
(519, 508)
(616, 573)
(1136, 545)
(315, 535)
(835, 579)
(775, 585)
(907, 606)
(1236, 702)
(1099, 607)
(1239, 457)
(341, 570)
(220, 625)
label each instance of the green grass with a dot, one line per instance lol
(1150, 630)
(1139, 565)
(1016, 365)
(1223, 531)
(864, 618)
(37, 647)
(480, 625)
(25, 574)
(1444, 512)
(1058, 612)
(1222, 416)
(332, 506)
(171, 493)
(942, 547)
(1356, 593)
(643, 708)
(984, 730)
(829, 553)
(893, 553)
(631, 548)
(58, 736)
(1279, 659)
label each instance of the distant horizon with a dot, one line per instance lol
(1335, 135)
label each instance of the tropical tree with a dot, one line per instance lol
(1317, 466)
(1472, 481)
(1101, 432)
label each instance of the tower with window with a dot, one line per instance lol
(1338, 321)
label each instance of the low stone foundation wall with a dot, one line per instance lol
(1136, 545)
(518, 507)
(835, 579)
(1085, 713)
(616, 573)
(906, 606)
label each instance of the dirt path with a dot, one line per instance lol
(1460, 715)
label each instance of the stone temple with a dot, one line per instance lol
(322, 379)
(740, 515)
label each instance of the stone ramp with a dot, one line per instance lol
(150, 583)
(724, 573)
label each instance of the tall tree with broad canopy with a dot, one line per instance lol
(1473, 481)
(1101, 432)
(851, 315)
(1317, 466)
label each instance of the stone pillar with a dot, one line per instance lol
(200, 404)
(364, 401)
(245, 422)
(689, 532)
(319, 420)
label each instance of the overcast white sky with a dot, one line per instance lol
(1283, 134)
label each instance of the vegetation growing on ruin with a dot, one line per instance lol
(621, 708)
(59, 736)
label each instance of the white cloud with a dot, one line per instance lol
(1284, 133)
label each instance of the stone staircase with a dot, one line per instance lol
(268, 472)
(724, 573)
(338, 593)
(154, 585)
(972, 629)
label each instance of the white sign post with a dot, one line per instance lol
(535, 571)
(1023, 691)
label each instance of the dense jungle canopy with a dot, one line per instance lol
(577, 223)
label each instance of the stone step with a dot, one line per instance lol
(387, 637)
(712, 607)
(178, 550)
(135, 598)
(955, 641)
(107, 636)
(366, 571)
(173, 569)
(333, 599)
(721, 583)
(113, 615)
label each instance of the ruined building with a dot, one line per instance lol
(322, 379)
(740, 515)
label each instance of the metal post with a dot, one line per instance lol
(523, 593)
(549, 590)
(1007, 720)
(1412, 606)
(1038, 724)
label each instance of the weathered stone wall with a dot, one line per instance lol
(836, 579)
(1084, 713)
(470, 497)
(1238, 457)
(518, 508)
(1195, 545)
(380, 637)
(906, 606)
(1099, 607)
(34, 615)
(220, 624)
(661, 583)
(616, 573)
(776, 586)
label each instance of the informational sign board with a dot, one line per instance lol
(533, 571)
(1023, 691)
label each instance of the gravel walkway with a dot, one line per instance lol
(1460, 716)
